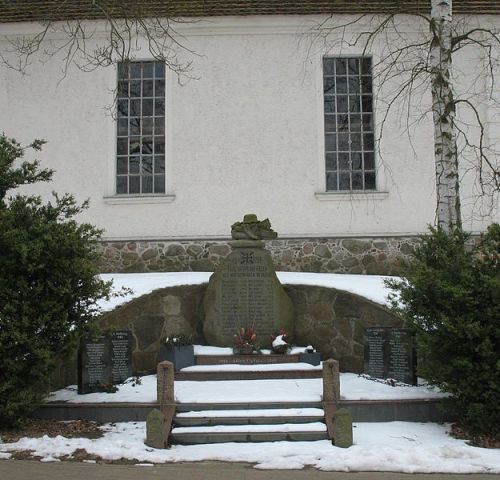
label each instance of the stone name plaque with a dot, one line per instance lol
(244, 291)
(121, 355)
(104, 361)
(389, 353)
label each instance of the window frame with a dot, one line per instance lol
(154, 175)
(333, 156)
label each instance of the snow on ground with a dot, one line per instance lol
(143, 283)
(368, 286)
(352, 387)
(395, 446)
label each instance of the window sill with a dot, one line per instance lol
(349, 196)
(138, 199)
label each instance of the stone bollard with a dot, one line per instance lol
(331, 381)
(159, 421)
(342, 428)
(155, 428)
(331, 392)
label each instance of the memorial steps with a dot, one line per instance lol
(257, 420)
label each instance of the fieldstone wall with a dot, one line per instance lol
(332, 321)
(153, 317)
(382, 256)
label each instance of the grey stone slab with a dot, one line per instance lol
(362, 411)
(201, 438)
(185, 407)
(306, 436)
(201, 421)
(245, 292)
(245, 359)
(222, 437)
(267, 437)
(242, 375)
(389, 353)
(104, 361)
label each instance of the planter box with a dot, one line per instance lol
(311, 358)
(181, 357)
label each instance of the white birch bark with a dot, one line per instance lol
(445, 146)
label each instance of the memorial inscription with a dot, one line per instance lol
(121, 355)
(104, 361)
(246, 294)
(389, 353)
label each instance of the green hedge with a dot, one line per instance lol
(450, 294)
(48, 283)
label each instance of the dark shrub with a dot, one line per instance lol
(451, 296)
(48, 283)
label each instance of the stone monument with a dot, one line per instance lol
(244, 290)
(104, 361)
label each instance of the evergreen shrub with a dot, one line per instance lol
(450, 294)
(48, 282)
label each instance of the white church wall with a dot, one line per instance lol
(244, 134)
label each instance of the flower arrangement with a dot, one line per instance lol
(178, 340)
(280, 342)
(244, 341)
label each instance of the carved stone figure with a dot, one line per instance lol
(252, 229)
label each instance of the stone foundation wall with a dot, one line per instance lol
(382, 256)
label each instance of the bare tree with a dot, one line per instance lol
(423, 60)
(108, 32)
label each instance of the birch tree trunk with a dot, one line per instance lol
(443, 106)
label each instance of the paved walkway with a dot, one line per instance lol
(34, 470)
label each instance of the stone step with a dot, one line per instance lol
(188, 407)
(234, 371)
(249, 433)
(245, 359)
(249, 417)
(246, 375)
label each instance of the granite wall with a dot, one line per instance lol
(383, 256)
(332, 321)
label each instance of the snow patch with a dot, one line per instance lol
(395, 447)
(369, 286)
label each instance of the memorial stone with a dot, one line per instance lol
(389, 353)
(104, 361)
(244, 291)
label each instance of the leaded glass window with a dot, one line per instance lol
(349, 135)
(140, 146)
